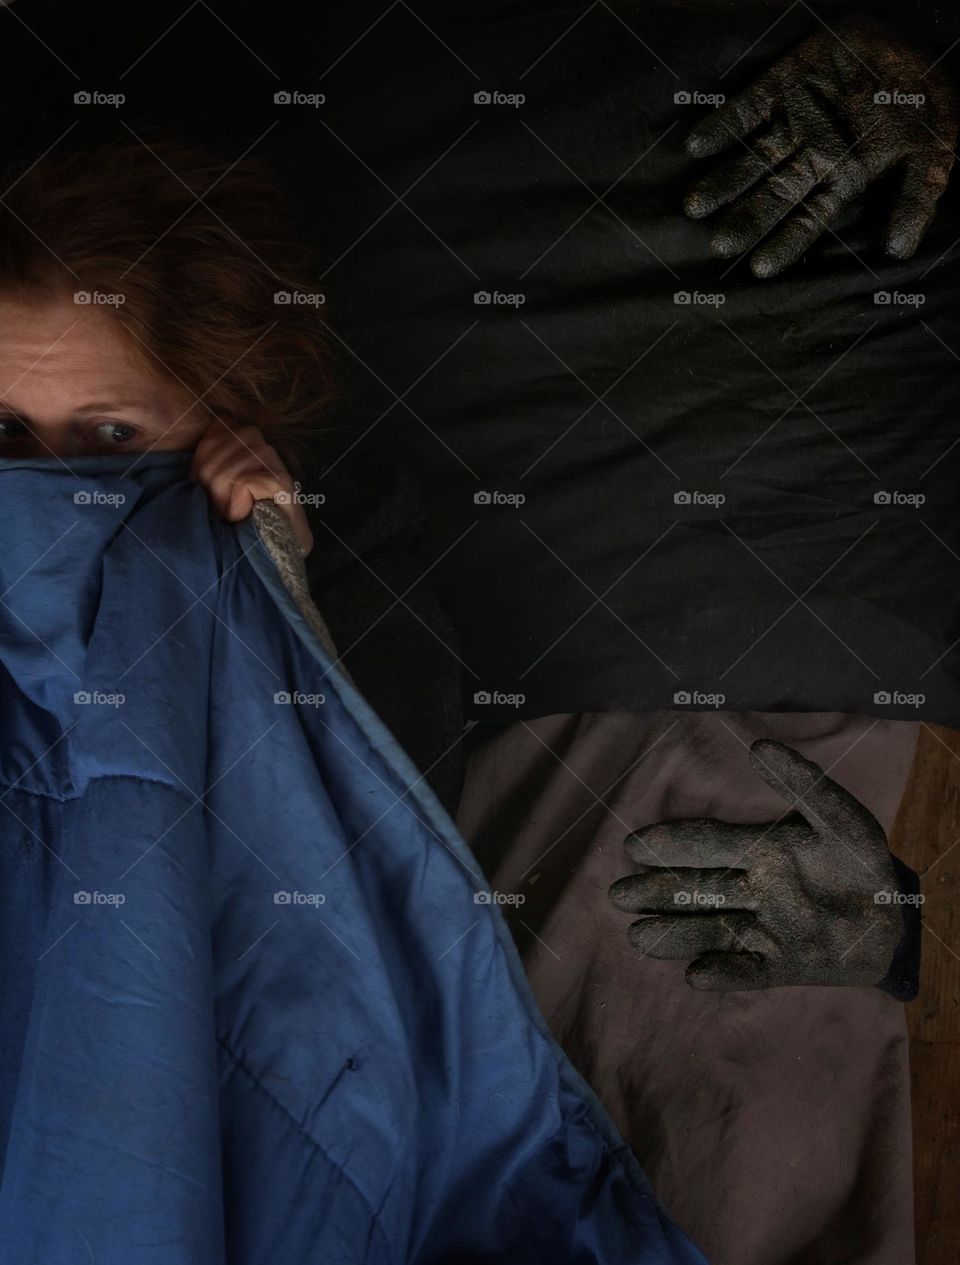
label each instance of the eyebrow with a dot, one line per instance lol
(109, 406)
(100, 407)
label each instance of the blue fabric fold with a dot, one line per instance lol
(254, 1007)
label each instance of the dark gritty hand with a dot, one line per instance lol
(808, 899)
(810, 136)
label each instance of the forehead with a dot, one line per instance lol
(63, 347)
(59, 329)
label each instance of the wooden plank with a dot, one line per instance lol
(926, 835)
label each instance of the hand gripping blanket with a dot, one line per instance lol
(256, 1004)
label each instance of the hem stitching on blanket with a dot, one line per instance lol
(181, 791)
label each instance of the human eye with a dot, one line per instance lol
(114, 433)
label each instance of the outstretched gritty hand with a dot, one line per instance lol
(815, 131)
(808, 899)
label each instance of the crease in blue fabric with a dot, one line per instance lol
(298, 944)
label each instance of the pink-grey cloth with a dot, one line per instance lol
(774, 1125)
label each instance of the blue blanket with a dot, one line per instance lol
(255, 1008)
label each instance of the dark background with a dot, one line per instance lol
(599, 591)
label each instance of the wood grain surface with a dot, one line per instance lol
(926, 835)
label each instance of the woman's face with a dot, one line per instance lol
(70, 385)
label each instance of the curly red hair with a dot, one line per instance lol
(200, 247)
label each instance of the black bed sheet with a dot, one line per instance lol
(821, 406)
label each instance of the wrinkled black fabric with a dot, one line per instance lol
(800, 400)
(800, 594)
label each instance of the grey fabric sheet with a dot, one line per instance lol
(774, 1125)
